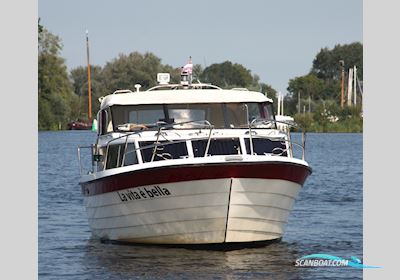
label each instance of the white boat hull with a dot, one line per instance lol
(223, 210)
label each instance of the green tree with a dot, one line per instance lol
(227, 74)
(304, 121)
(270, 92)
(197, 72)
(326, 63)
(309, 86)
(311, 90)
(323, 82)
(79, 77)
(55, 96)
(127, 70)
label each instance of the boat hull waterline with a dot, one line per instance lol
(195, 204)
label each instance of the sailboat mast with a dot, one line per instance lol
(88, 73)
(342, 84)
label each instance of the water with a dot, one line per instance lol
(327, 218)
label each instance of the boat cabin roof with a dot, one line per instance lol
(182, 96)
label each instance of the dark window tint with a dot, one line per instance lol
(115, 156)
(266, 146)
(226, 146)
(163, 152)
(130, 155)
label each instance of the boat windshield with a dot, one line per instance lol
(221, 115)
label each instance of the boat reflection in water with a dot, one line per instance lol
(191, 164)
(126, 262)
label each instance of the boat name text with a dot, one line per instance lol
(143, 193)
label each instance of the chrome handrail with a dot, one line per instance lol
(80, 161)
(183, 141)
(250, 132)
(160, 126)
(204, 123)
(291, 142)
(155, 147)
(199, 138)
(290, 124)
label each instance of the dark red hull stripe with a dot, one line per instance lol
(170, 174)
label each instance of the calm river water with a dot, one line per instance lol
(327, 218)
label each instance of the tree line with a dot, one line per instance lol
(62, 95)
(314, 99)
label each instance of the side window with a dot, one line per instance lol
(267, 111)
(108, 121)
(116, 153)
(113, 156)
(104, 122)
(130, 155)
(102, 118)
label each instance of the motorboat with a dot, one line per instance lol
(190, 164)
(80, 124)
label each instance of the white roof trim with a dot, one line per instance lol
(183, 97)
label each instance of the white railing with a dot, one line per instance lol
(96, 157)
(290, 125)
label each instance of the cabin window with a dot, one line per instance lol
(220, 115)
(146, 115)
(196, 112)
(139, 114)
(115, 157)
(224, 146)
(237, 116)
(266, 146)
(130, 155)
(99, 123)
(109, 127)
(99, 158)
(267, 111)
(102, 122)
(163, 151)
(185, 114)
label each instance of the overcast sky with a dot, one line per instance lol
(276, 40)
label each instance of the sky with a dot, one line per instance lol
(277, 40)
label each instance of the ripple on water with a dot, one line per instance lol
(327, 218)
